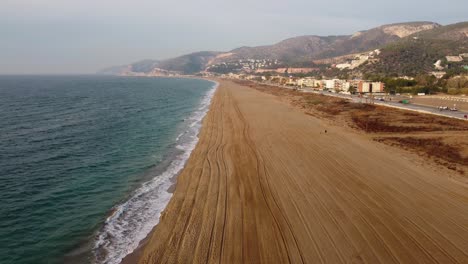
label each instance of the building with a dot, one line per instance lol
(234, 76)
(345, 86)
(454, 58)
(371, 87)
(292, 82)
(354, 83)
(301, 70)
(438, 66)
(309, 82)
(288, 70)
(438, 74)
(330, 84)
(337, 85)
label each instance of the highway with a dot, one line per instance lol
(394, 103)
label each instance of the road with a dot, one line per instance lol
(394, 103)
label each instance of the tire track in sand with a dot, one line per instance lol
(263, 186)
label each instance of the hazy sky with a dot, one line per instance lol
(82, 36)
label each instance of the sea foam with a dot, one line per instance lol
(134, 219)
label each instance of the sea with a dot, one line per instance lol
(87, 162)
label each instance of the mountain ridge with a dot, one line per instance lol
(417, 53)
(291, 50)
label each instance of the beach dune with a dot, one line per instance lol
(266, 184)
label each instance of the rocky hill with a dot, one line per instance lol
(317, 47)
(143, 66)
(417, 53)
(405, 29)
(453, 32)
(114, 70)
(189, 64)
(297, 48)
(293, 50)
(375, 38)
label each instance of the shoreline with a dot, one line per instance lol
(135, 255)
(166, 179)
(234, 199)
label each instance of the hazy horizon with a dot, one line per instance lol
(53, 37)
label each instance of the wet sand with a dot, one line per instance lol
(266, 184)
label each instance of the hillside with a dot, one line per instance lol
(289, 51)
(114, 70)
(375, 38)
(317, 47)
(297, 48)
(454, 32)
(144, 66)
(189, 64)
(418, 52)
(186, 64)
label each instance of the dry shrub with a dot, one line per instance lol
(368, 117)
(330, 109)
(383, 119)
(362, 107)
(375, 124)
(432, 147)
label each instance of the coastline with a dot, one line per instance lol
(161, 183)
(247, 194)
(134, 256)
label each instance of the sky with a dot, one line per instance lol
(84, 36)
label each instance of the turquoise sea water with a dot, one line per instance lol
(86, 161)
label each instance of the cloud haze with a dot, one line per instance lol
(65, 36)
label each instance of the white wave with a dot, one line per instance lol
(179, 136)
(134, 219)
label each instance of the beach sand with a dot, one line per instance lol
(266, 184)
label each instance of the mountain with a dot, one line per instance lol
(316, 47)
(189, 64)
(453, 32)
(417, 53)
(292, 50)
(375, 38)
(298, 48)
(144, 66)
(114, 70)
(186, 64)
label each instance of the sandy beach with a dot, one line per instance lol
(270, 184)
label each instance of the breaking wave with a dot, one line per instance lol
(132, 220)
